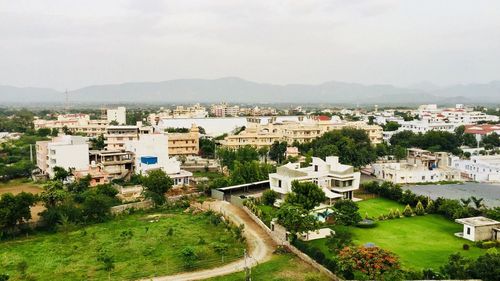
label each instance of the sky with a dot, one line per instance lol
(70, 44)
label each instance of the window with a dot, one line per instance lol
(279, 183)
(468, 230)
(315, 168)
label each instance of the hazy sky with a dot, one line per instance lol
(70, 44)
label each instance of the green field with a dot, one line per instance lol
(419, 241)
(148, 251)
(285, 267)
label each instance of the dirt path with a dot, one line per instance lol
(260, 245)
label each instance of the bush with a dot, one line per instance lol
(397, 213)
(366, 223)
(466, 247)
(419, 209)
(269, 197)
(408, 212)
(488, 244)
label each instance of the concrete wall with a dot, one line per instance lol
(482, 233)
(137, 205)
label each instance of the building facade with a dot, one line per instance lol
(479, 168)
(335, 179)
(68, 152)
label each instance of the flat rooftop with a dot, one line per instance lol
(478, 221)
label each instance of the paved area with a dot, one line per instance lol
(260, 245)
(489, 192)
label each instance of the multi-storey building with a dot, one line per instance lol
(420, 166)
(118, 115)
(335, 179)
(195, 111)
(151, 153)
(224, 110)
(68, 152)
(184, 143)
(479, 168)
(306, 129)
(116, 136)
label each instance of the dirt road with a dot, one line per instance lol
(260, 245)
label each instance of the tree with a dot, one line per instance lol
(346, 212)
(43, 132)
(407, 212)
(419, 209)
(305, 194)
(277, 151)
(371, 261)
(15, 209)
(399, 152)
(478, 202)
(486, 267)
(156, 184)
(296, 219)
(269, 197)
(4, 277)
(207, 148)
(457, 267)
(98, 143)
(391, 126)
(54, 132)
(263, 151)
(96, 207)
(60, 174)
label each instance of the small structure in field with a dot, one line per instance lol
(479, 229)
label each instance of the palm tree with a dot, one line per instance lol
(478, 202)
(466, 202)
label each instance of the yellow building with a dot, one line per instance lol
(184, 143)
(305, 130)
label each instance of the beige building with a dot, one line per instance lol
(75, 123)
(479, 229)
(184, 143)
(116, 136)
(305, 130)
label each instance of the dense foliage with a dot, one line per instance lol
(15, 159)
(156, 183)
(353, 146)
(308, 195)
(14, 210)
(373, 262)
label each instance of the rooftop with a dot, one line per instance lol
(477, 221)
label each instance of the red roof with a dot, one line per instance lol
(323, 118)
(483, 129)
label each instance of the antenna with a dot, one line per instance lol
(66, 104)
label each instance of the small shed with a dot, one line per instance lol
(479, 229)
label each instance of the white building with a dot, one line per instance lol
(68, 152)
(425, 125)
(479, 229)
(151, 153)
(479, 168)
(420, 166)
(118, 115)
(335, 179)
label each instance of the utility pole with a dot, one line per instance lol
(248, 270)
(66, 103)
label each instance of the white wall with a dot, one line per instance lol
(68, 156)
(119, 115)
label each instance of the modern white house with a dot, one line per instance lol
(479, 229)
(479, 168)
(151, 153)
(419, 166)
(68, 152)
(336, 180)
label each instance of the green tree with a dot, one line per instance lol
(60, 174)
(14, 210)
(486, 267)
(407, 212)
(98, 142)
(277, 151)
(391, 126)
(296, 219)
(457, 267)
(346, 212)
(419, 209)
(156, 183)
(269, 197)
(305, 194)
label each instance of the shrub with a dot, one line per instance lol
(269, 197)
(397, 213)
(488, 244)
(390, 215)
(408, 212)
(430, 208)
(419, 209)
(381, 217)
(366, 223)
(466, 247)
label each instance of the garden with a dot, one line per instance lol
(419, 241)
(128, 247)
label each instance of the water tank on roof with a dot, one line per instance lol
(149, 160)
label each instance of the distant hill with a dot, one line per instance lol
(237, 90)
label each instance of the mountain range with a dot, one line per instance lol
(237, 90)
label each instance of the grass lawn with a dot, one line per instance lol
(378, 206)
(149, 251)
(419, 241)
(285, 267)
(19, 185)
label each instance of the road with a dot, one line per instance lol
(260, 245)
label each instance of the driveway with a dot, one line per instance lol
(260, 245)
